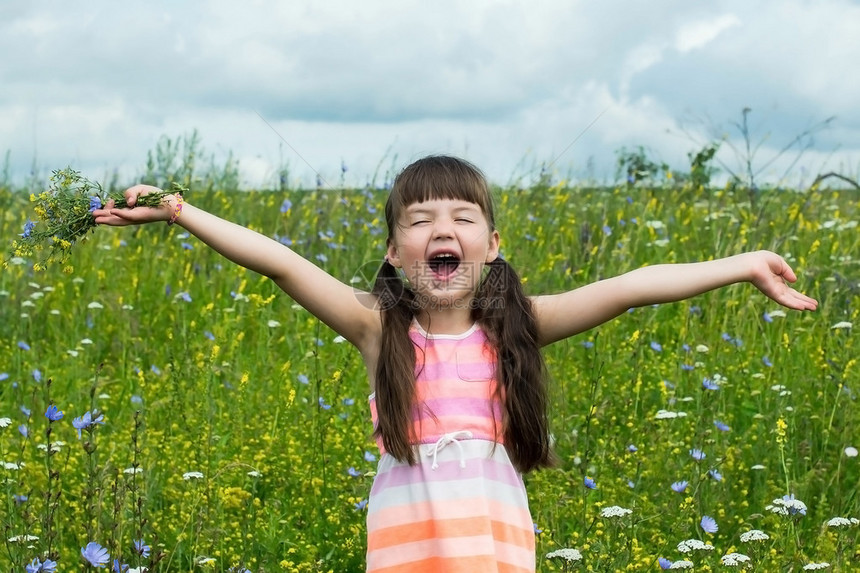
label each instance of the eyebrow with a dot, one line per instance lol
(418, 210)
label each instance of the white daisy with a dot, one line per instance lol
(567, 554)
(754, 535)
(694, 545)
(733, 559)
(615, 511)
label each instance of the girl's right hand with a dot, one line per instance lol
(116, 217)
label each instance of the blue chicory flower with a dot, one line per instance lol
(46, 566)
(698, 454)
(53, 413)
(679, 486)
(141, 548)
(87, 421)
(721, 426)
(28, 229)
(95, 554)
(589, 483)
(708, 524)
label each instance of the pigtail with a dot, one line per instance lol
(508, 319)
(395, 367)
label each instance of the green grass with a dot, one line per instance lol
(198, 366)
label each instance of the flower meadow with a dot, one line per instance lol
(164, 410)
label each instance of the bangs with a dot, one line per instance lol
(438, 177)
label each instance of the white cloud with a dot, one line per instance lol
(695, 35)
(510, 85)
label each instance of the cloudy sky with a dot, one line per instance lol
(371, 85)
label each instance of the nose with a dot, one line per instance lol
(443, 228)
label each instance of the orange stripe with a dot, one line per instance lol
(447, 528)
(476, 564)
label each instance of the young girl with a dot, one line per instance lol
(452, 348)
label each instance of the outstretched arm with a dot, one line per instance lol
(562, 315)
(347, 311)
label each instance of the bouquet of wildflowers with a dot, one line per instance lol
(64, 215)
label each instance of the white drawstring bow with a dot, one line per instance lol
(450, 438)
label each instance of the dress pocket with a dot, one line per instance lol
(481, 371)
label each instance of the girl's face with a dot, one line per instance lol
(442, 246)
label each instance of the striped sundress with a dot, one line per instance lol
(463, 507)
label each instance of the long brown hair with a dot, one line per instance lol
(501, 308)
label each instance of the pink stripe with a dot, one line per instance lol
(444, 407)
(452, 371)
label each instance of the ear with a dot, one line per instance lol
(393, 255)
(493, 250)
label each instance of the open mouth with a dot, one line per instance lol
(444, 265)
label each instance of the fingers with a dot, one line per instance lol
(129, 215)
(132, 193)
(797, 300)
(787, 273)
(110, 215)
